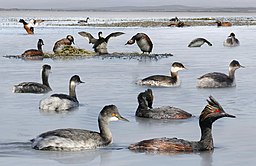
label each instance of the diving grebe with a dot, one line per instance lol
(100, 44)
(29, 27)
(34, 87)
(198, 42)
(162, 80)
(34, 54)
(145, 109)
(60, 44)
(219, 80)
(231, 41)
(143, 41)
(79, 139)
(212, 112)
(62, 102)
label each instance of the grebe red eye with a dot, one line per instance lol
(217, 110)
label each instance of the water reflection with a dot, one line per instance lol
(206, 158)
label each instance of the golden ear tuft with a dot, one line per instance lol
(113, 114)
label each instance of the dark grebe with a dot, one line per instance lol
(219, 80)
(143, 41)
(162, 80)
(223, 24)
(79, 139)
(83, 21)
(99, 45)
(231, 41)
(34, 54)
(212, 112)
(34, 87)
(60, 44)
(198, 42)
(62, 102)
(145, 109)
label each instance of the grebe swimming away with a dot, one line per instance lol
(79, 139)
(212, 112)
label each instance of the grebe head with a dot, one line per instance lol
(131, 41)
(110, 113)
(71, 39)
(75, 80)
(212, 112)
(22, 21)
(176, 66)
(235, 65)
(232, 35)
(100, 35)
(47, 69)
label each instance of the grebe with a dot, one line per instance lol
(145, 109)
(29, 27)
(79, 139)
(231, 41)
(99, 45)
(219, 80)
(34, 54)
(62, 102)
(83, 21)
(162, 80)
(34, 87)
(223, 24)
(143, 41)
(60, 44)
(212, 112)
(198, 42)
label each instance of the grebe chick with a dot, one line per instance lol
(34, 54)
(145, 110)
(198, 42)
(212, 112)
(79, 139)
(162, 80)
(219, 80)
(62, 102)
(231, 41)
(60, 44)
(100, 44)
(34, 87)
(143, 41)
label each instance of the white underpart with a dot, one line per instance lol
(57, 104)
(102, 48)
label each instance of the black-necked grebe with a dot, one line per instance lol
(223, 24)
(231, 41)
(164, 81)
(60, 44)
(62, 102)
(212, 112)
(34, 87)
(143, 41)
(83, 21)
(79, 139)
(29, 27)
(34, 54)
(219, 80)
(145, 109)
(198, 42)
(100, 44)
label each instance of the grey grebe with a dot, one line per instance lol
(198, 42)
(62, 102)
(231, 41)
(99, 45)
(83, 21)
(212, 112)
(223, 24)
(162, 80)
(145, 110)
(219, 80)
(34, 54)
(34, 87)
(143, 41)
(79, 139)
(60, 44)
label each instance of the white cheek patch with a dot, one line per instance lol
(113, 118)
(175, 69)
(73, 83)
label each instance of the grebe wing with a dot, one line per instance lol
(88, 36)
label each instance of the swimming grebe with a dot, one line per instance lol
(79, 139)
(219, 80)
(198, 42)
(100, 44)
(212, 112)
(223, 24)
(60, 44)
(83, 21)
(145, 110)
(34, 87)
(29, 27)
(143, 41)
(231, 41)
(34, 54)
(162, 80)
(62, 102)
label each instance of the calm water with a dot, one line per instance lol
(111, 81)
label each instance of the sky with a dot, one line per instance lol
(83, 4)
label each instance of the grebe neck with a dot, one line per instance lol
(231, 73)
(105, 132)
(72, 90)
(206, 141)
(39, 47)
(45, 75)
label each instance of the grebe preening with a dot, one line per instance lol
(143, 41)
(34, 87)
(212, 112)
(231, 41)
(145, 109)
(79, 139)
(219, 80)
